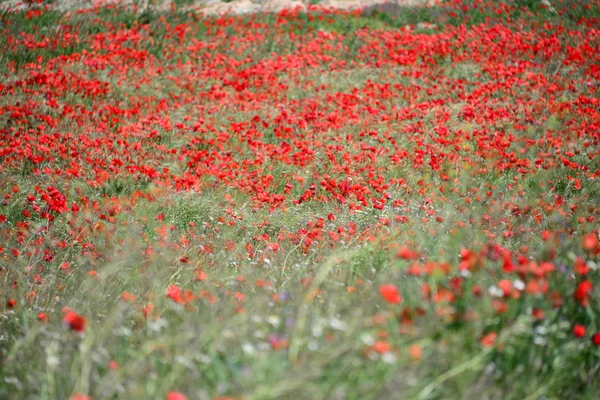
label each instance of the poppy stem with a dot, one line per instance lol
(459, 369)
(301, 314)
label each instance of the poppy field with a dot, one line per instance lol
(309, 204)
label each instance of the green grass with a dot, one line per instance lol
(285, 299)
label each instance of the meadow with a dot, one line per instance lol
(301, 205)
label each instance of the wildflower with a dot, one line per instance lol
(174, 293)
(278, 343)
(75, 321)
(579, 330)
(416, 352)
(42, 317)
(176, 396)
(590, 243)
(390, 294)
(126, 296)
(79, 396)
(147, 310)
(201, 275)
(583, 292)
(406, 253)
(381, 347)
(581, 267)
(489, 339)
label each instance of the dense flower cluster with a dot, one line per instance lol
(465, 154)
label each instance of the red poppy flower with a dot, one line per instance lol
(381, 346)
(590, 243)
(176, 396)
(579, 330)
(583, 292)
(390, 294)
(174, 293)
(42, 317)
(75, 321)
(147, 310)
(126, 296)
(580, 266)
(79, 396)
(489, 339)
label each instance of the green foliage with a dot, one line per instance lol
(295, 320)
